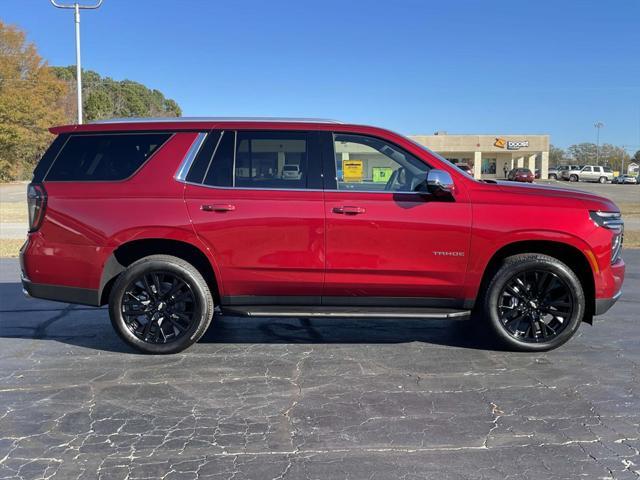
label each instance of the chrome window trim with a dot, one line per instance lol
(187, 161)
(233, 173)
(300, 189)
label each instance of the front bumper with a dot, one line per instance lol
(604, 304)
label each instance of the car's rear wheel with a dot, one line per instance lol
(573, 178)
(603, 180)
(160, 304)
(534, 302)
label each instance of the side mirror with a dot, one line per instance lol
(439, 182)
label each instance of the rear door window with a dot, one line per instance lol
(271, 160)
(104, 157)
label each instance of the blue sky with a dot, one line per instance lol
(489, 66)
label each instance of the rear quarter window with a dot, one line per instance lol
(104, 157)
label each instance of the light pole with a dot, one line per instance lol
(598, 126)
(77, 7)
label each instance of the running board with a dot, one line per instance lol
(358, 312)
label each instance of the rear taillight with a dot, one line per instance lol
(36, 203)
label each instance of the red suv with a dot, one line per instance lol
(169, 221)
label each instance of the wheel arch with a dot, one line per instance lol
(569, 254)
(130, 251)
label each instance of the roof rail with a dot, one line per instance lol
(214, 119)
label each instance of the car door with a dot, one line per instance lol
(385, 242)
(264, 227)
(586, 173)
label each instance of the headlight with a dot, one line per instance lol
(611, 221)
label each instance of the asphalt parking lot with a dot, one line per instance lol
(321, 399)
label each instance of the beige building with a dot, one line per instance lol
(491, 156)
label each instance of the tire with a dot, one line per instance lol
(602, 180)
(573, 178)
(148, 315)
(553, 176)
(522, 325)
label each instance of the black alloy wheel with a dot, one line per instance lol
(535, 306)
(160, 304)
(159, 307)
(533, 302)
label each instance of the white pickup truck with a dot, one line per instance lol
(591, 173)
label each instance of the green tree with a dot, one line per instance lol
(31, 100)
(588, 154)
(104, 97)
(557, 156)
(583, 153)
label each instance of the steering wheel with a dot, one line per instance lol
(392, 179)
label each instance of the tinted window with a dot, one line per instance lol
(370, 164)
(104, 157)
(220, 170)
(47, 159)
(203, 158)
(271, 160)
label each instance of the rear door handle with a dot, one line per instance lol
(349, 210)
(218, 207)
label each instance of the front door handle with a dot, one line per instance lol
(349, 210)
(219, 207)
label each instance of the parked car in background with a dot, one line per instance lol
(520, 175)
(465, 168)
(291, 172)
(592, 173)
(626, 179)
(566, 173)
(554, 173)
(560, 171)
(170, 220)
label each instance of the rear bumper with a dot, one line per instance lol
(58, 293)
(604, 304)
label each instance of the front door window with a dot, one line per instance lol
(370, 164)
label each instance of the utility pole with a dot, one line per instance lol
(77, 7)
(598, 126)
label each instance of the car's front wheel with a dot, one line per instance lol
(573, 178)
(534, 302)
(160, 304)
